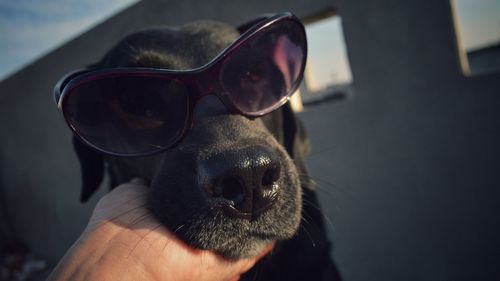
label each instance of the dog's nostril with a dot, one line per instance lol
(271, 176)
(244, 182)
(231, 189)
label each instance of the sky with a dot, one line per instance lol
(323, 50)
(479, 22)
(30, 29)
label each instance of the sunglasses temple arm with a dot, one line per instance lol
(245, 26)
(65, 79)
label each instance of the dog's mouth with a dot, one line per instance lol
(237, 202)
(231, 209)
(230, 239)
(233, 220)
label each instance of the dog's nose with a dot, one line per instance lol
(244, 181)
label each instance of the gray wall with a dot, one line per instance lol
(412, 161)
(406, 167)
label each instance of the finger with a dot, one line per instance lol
(241, 266)
(126, 201)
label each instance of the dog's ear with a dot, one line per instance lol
(92, 169)
(296, 143)
(289, 131)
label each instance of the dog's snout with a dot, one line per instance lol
(209, 106)
(244, 182)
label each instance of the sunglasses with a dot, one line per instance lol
(133, 111)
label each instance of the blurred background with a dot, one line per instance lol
(401, 101)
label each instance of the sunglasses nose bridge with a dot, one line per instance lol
(207, 85)
(207, 82)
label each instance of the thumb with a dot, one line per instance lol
(123, 199)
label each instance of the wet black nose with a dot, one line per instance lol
(244, 181)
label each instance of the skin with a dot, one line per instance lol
(123, 241)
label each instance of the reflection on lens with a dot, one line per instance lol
(265, 68)
(128, 114)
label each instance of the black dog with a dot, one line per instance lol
(258, 164)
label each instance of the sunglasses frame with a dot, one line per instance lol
(199, 82)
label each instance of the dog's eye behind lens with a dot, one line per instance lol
(265, 68)
(129, 114)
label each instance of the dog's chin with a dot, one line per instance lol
(236, 239)
(208, 227)
(251, 247)
(230, 245)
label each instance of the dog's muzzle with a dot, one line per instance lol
(244, 182)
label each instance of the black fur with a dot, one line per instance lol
(176, 176)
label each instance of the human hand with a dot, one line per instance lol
(123, 241)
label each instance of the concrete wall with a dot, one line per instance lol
(411, 168)
(407, 167)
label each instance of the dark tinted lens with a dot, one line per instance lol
(128, 114)
(266, 68)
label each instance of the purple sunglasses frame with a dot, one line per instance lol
(200, 82)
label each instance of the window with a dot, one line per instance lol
(328, 73)
(477, 25)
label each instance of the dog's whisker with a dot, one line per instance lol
(312, 204)
(316, 180)
(139, 219)
(306, 217)
(143, 238)
(132, 225)
(127, 212)
(307, 220)
(100, 223)
(135, 219)
(114, 218)
(327, 187)
(318, 208)
(328, 220)
(317, 228)
(153, 229)
(159, 238)
(307, 233)
(167, 241)
(179, 228)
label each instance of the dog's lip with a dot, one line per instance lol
(229, 207)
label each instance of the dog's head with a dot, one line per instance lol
(233, 184)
